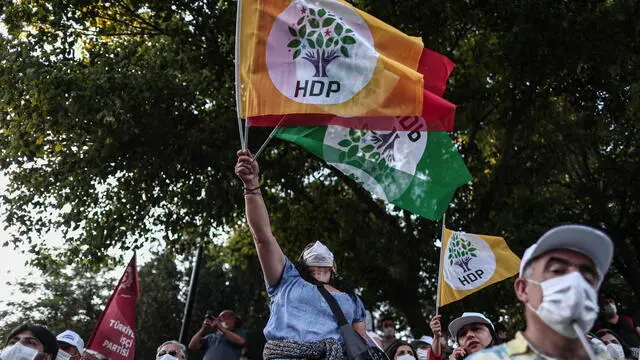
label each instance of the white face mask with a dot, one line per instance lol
(616, 351)
(610, 309)
(422, 354)
(18, 351)
(167, 357)
(318, 255)
(389, 331)
(566, 300)
(62, 355)
(405, 357)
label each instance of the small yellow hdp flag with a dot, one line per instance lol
(472, 262)
(325, 57)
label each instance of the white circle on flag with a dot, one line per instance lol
(468, 261)
(320, 52)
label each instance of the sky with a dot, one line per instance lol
(12, 261)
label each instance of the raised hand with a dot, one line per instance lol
(247, 169)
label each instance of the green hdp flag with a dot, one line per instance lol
(417, 171)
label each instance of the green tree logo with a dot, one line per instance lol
(322, 37)
(461, 252)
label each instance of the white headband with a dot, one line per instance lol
(318, 255)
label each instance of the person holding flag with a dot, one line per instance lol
(559, 278)
(299, 326)
(473, 331)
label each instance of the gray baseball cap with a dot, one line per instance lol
(583, 239)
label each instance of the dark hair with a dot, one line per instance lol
(41, 332)
(625, 347)
(393, 348)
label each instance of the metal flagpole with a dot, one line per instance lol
(243, 136)
(444, 217)
(264, 145)
(191, 297)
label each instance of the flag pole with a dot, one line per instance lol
(444, 217)
(243, 136)
(273, 132)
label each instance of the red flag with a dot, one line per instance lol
(114, 336)
(437, 113)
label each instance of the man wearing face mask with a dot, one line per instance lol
(622, 325)
(559, 278)
(226, 343)
(171, 350)
(30, 342)
(70, 345)
(388, 332)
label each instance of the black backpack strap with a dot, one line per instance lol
(333, 304)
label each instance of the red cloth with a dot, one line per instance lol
(114, 336)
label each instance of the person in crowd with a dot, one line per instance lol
(221, 337)
(422, 346)
(614, 344)
(388, 325)
(70, 345)
(301, 324)
(29, 341)
(400, 350)
(171, 350)
(501, 334)
(559, 278)
(622, 325)
(88, 354)
(473, 332)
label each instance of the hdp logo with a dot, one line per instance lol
(320, 52)
(461, 253)
(382, 161)
(322, 37)
(470, 262)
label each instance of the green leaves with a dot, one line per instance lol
(344, 143)
(327, 22)
(322, 13)
(348, 40)
(303, 31)
(294, 43)
(314, 23)
(293, 32)
(320, 41)
(296, 54)
(338, 29)
(344, 51)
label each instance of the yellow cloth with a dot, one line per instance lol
(471, 262)
(395, 87)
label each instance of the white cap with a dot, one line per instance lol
(583, 239)
(71, 338)
(466, 319)
(424, 339)
(318, 255)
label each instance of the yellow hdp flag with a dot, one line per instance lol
(325, 57)
(472, 262)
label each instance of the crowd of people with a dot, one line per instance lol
(315, 314)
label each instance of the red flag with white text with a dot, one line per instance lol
(114, 336)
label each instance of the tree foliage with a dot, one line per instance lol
(118, 129)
